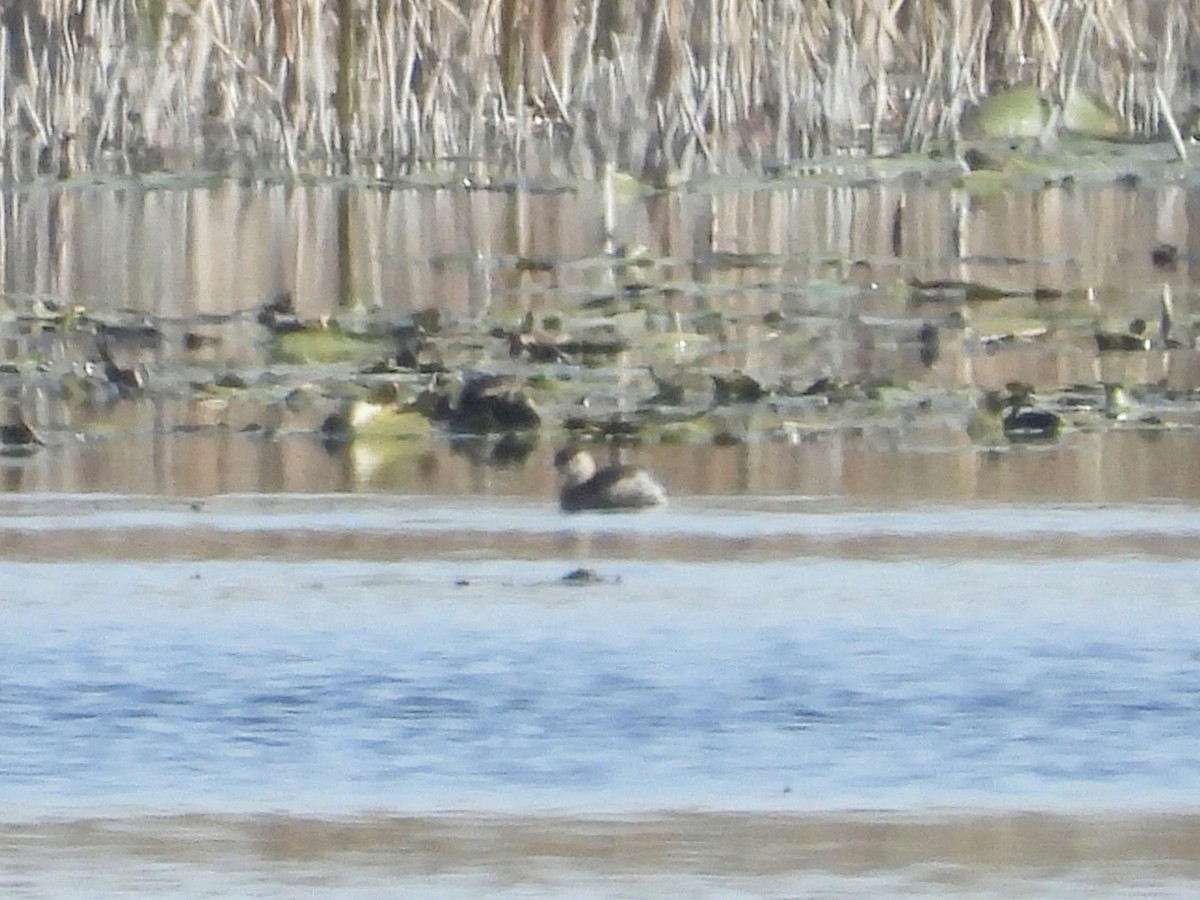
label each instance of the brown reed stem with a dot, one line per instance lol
(301, 84)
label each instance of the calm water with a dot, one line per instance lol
(182, 722)
(857, 656)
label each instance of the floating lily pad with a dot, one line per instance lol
(325, 346)
(395, 424)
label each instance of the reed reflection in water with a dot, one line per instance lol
(190, 259)
(183, 249)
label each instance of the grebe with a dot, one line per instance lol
(611, 488)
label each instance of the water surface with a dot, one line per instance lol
(854, 688)
(859, 653)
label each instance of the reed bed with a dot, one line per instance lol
(659, 88)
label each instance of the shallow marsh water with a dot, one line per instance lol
(859, 654)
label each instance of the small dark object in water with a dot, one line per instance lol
(736, 388)
(230, 380)
(336, 431)
(1018, 424)
(832, 389)
(143, 335)
(279, 314)
(429, 320)
(1042, 293)
(1028, 424)
(410, 341)
(930, 344)
(582, 577)
(824, 385)
(611, 488)
(1165, 256)
(539, 347)
(977, 160)
(195, 341)
(898, 229)
(129, 382)
(1115, 341)
(943, 289)
(485, 406)
(539, 344)
(1031, 425)
(18, 439)
(726, 439)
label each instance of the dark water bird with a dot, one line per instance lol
(617, 487)
(1031, 425)
(1124, 341)
(1028, 424)
(129, 382)
(18, 439)
(486, 404)
(737, 387)
(279, 314)
(410, 343)
(1009, 414)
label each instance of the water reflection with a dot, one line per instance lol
(186, 249)
(909, 463)
(133, 330)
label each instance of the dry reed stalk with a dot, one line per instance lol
(303, 84)
(346, 100)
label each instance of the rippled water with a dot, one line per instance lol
(356, 670)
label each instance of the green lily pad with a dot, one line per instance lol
(325, 346)
(394, 424)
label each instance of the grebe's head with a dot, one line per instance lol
(575, 463)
